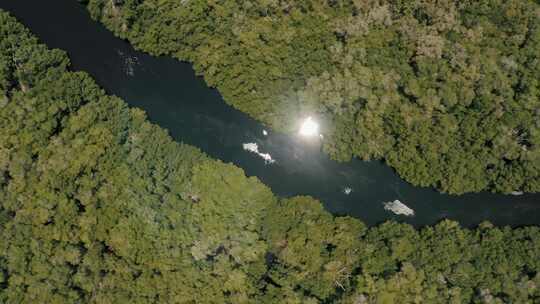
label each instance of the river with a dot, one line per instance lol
(176, 99)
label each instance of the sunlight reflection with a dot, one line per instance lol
(309, 128)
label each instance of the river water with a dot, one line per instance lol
(176, 99)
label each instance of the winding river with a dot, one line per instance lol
(176, 99)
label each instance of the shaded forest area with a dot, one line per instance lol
(446, 92)
(97, 205)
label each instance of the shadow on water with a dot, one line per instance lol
(177, 100)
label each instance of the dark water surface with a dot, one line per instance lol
(177, 100)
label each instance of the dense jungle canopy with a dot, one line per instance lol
(97, 205)
(446, 92)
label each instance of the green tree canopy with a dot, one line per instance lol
(97, 205)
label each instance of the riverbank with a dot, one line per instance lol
(98, 205)
(177, 100)
(445, 94)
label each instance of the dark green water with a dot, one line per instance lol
(177, 100)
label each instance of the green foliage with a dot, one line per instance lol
(314, 253)
(100, 206)
(446, 92)
(97, 205)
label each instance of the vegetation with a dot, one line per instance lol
(97, 205)
(447, 92)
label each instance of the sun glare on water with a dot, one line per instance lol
(309, 128)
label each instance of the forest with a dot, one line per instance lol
(446, 92)
(97, 205)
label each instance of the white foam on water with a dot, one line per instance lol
(254, 148)
(129, 62)
(398, 208)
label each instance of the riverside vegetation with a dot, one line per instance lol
(446, 92)
(97, 205)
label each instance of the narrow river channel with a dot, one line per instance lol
(176, 99)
